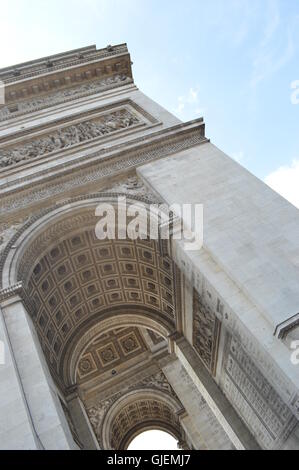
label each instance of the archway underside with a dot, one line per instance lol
(103, 311)
(143, 416)
(81, 281)
(123, 389)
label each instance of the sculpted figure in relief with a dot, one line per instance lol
(68, 136)
(58, 97)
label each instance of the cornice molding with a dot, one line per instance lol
(283, 329)
(68, 73)
(19, 72)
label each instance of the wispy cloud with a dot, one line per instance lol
(189, 102)
(273, 21)
(276, 47)
(285, 181)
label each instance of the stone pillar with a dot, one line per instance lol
(230, 421)
(199, 423)
(191, 432)
(16, 425)
(81, 421)
(36, 406)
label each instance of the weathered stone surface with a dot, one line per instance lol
(67, 137)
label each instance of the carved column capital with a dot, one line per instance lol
(172, 339)
(71, 393)
(14, 292)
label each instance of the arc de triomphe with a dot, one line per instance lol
(104, 339)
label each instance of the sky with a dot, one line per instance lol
(234, 62)
(153, 440)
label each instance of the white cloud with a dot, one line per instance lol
(200, 111)
(285, 181)
(193, 96)
(188, 101)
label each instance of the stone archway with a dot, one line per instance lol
(71, 281)
(138, 411)
(74, 287)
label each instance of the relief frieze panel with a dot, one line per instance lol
(93, 175)
(68, 136)
(58, 97)
(270, 419)
(206, 329)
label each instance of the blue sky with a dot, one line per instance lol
(232, 61)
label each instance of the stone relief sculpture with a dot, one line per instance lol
(157, 381)
(205, 331)
(135, 187)
(59, 97)
(7, 231)
(68, 136)
(97, 413)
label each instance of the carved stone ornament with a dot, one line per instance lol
(151, 409)
(206, 328)
(68, 136)
(62, 96)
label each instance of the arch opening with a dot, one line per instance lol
(82, 287)
(153, 439)
(151, 404)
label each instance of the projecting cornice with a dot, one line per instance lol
(62, 71)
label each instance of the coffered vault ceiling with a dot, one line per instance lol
(116, 350)
(151, 412)
(81, 276)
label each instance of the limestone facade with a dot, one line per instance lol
(104, 339)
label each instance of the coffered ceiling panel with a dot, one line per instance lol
(82, 276)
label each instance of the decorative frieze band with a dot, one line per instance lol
(111, 165)
(68, 136)
(63, 96)
(269, 418)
